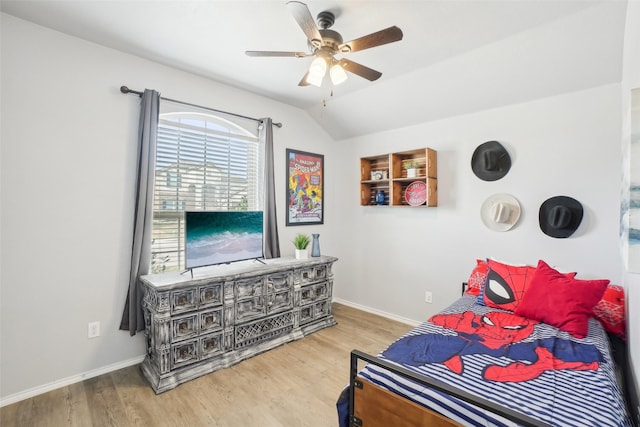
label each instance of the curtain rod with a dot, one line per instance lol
(126, 90)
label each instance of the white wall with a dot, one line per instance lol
(68, 166)
(565, 145)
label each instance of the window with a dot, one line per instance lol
(203, 162)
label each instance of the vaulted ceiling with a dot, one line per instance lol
(455, 57)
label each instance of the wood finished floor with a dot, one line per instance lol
(296, 384)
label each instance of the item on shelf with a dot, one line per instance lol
(416, 193)
(380, 197)
(378, 175)
(411, 166)
(315, 247)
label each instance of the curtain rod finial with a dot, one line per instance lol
(124, 89)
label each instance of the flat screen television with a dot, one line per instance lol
(221, 237)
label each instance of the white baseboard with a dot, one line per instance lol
(378, 312)
(17, 397)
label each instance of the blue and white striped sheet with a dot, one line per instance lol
(559, 397)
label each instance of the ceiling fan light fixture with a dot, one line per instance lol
(318, 67)
(337, 73)
(314, 79)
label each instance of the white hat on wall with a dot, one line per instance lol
(500, 212)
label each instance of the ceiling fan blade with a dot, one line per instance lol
(360, 70)
(388, 35)
(303, 17)
(276, 53)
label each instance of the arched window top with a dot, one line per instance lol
(207, 121)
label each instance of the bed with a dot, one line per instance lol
(520, 347)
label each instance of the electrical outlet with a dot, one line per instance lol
(428, 297)
(94, 329)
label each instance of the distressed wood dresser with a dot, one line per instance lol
(227, 313)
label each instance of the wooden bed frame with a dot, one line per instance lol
(373, 406)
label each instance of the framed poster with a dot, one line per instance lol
(305, 180)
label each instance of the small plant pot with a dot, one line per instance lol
(412, 173)
(302, 254)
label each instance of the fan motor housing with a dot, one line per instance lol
(331, 38)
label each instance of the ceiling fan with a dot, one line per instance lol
(324, 44)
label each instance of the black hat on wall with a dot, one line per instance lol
(560, 216)
(490, 161)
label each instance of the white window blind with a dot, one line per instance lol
(203, 162)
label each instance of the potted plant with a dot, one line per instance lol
(411, 166)
(300, 242)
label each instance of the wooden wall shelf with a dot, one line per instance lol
(388, 173)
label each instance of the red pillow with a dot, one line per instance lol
(505, 285)
(476, 279)
(561, 301)
(610, 311)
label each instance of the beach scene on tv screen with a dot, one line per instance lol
(222, 237)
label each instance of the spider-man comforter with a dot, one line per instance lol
(519, 363)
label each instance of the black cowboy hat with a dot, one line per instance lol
(560, 216)
(490, 161)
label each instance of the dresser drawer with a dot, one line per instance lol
(250, 309)
(211, 320)
(314, 311)
(279, 281)
(321, 290)
(183, 300)
(248, 288)
(211, 295)
(210, 345)
(183, 353)
(313, 292)
(313, 274)
(306, 314)
(321, 309)
(280, 301)
(184, 327)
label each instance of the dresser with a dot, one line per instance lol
(210, 318)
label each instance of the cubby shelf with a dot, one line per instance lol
(389, 173)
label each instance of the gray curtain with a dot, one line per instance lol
(271, 242)
(132, 317)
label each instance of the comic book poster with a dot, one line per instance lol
(305, 175)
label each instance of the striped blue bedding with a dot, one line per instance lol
(541, 371)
